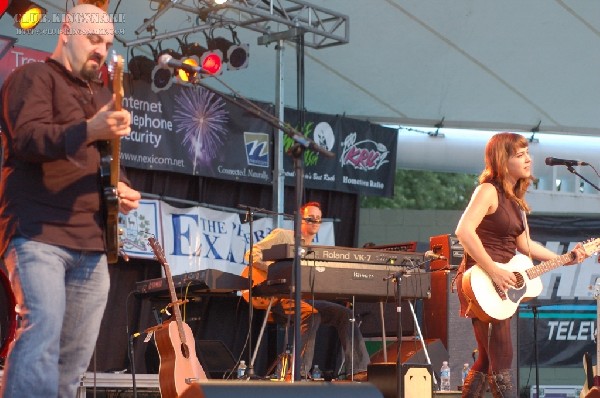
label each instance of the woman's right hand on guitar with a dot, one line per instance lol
(502, 278)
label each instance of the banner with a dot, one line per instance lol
(189, 129)
(198, 238)
(12, 56)
(365, 155)
(566, 311)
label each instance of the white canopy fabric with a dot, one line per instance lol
(485, 64)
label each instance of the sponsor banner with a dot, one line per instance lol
(564, 333)
(190, 130)
(365, 155)
(12, 56)
(197, 238)
(566, 311)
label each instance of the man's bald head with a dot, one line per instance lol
(86, 36)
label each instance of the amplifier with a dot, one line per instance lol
(449, 247)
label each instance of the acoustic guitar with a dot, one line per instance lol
(109, 169)
(179, 366)
(258, 276)
(488, 302)
(592, 375)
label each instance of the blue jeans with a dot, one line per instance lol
(61, 295)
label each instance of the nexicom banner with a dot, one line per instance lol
(198, 238)
(191, 130)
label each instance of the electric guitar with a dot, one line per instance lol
(592, 378)
(109, 169)
(488, 302)
(179, 365)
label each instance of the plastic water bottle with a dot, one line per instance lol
(445, 377)
(465, 372)
(316, 373)
(241, 370)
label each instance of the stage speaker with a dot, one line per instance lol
(214, 356)
(416, 380)
(412, 352)
(369, 315)
(269, 389)
(441, 320)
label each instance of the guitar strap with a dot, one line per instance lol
(524, 217)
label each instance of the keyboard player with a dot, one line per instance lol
(317, 312)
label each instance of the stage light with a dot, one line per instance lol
(141, 68)
(26, 14)
(162, 78)
(212, 62)
(184, 76)
(237, 56)
(3, 7)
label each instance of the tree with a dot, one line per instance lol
(417, 189)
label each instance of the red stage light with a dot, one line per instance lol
(212, 62)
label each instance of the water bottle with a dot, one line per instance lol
(465, 372)
(445, 377)
(241, 370)
(316, 373)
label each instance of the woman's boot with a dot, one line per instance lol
(474, 385)
(502, 385)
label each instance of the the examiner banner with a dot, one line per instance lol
(198, 238)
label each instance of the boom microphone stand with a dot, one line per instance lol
(297, 152)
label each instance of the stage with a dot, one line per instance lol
(111, 384)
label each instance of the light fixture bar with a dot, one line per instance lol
(322, 27)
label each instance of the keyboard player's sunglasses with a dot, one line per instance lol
(311, 220)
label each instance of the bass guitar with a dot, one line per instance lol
(109, 169)
(592, 378)
(179, 365)
(488, 302)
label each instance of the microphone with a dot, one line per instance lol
(167, 61)
(430, 255)
(564, 162)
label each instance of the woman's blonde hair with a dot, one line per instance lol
(498, 151)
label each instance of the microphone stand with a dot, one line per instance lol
(397, 278)
(573, 171)
(534, 309)
(250, 219)
(297, 152)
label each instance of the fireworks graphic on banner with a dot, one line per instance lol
(201, 116)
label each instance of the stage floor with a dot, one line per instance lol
(120, 384)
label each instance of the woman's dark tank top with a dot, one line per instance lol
(499, 231)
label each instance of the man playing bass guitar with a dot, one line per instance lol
(54, 114)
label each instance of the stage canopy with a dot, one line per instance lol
(507, 65)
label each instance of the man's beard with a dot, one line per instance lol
(90, 71)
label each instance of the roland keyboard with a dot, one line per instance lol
(204, 281)
(336, 280)
(344, 254)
